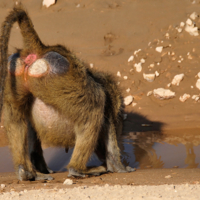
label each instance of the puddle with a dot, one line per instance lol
(139, 149)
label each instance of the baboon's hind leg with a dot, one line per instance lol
(113, 160)
(16, 127)
(36, 152)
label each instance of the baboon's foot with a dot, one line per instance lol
(119, 168)
(95, 171)
(24, 175)
(41, 176)
(75, 173)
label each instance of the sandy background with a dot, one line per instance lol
(106, 34)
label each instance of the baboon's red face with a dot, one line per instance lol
(34, 66)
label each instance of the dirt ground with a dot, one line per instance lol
(106, 34)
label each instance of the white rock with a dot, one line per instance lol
(189, 22)
(198, 75)
(179, 30)
(192, 30)
(182, 24)
(195, 97)
(135, 52)
(184, 97)
(167, 35)
(68, 182)
(149, 93)
(131, 59)
(149, 77)
(157, 74)
(168, 176)
(119, 74)
(159, 49)
(138, 67)
(142, 60)
(3, 186)
(125, 77)
(169, 85)
(134, 104)
(177, 79)
(194, 15)
(48, 3)
(162, 93)
(198, 84)
(128, 90)
(151, 65)
(91, 65)
(128, 100)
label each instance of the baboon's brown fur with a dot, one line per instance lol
(84, 108)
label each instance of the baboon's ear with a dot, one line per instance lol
(16, 65)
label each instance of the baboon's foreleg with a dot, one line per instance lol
(36, 152)
(113, 160)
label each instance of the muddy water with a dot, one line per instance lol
(139, 149)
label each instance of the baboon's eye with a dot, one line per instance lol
(58, 63)
(15, 64)
(38, 68)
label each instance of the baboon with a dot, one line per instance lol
(48, 94)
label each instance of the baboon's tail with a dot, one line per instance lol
(31, 41)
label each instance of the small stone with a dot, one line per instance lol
(189, 22)
(179, 30)
(168, 176)
(3, 186)
(125, 77)
(149, 93)
(169, 85)
(131, 59)
(134, 104)
(182, 24)
(198, 84)
(119, 74)
(151, 65)
(177, 79)
(194, 15)
(167, 35)
(142, 60)
(159, 49)
(48, 3)
(192, 30)
(157, 74)
(91, 65)
(163, 94)
(195, 97)
(198, 75)
(128, 100)
(68, 182)
(137, 51)
(184, 97)
(128, 90)
(138, 67)
(149, 77)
